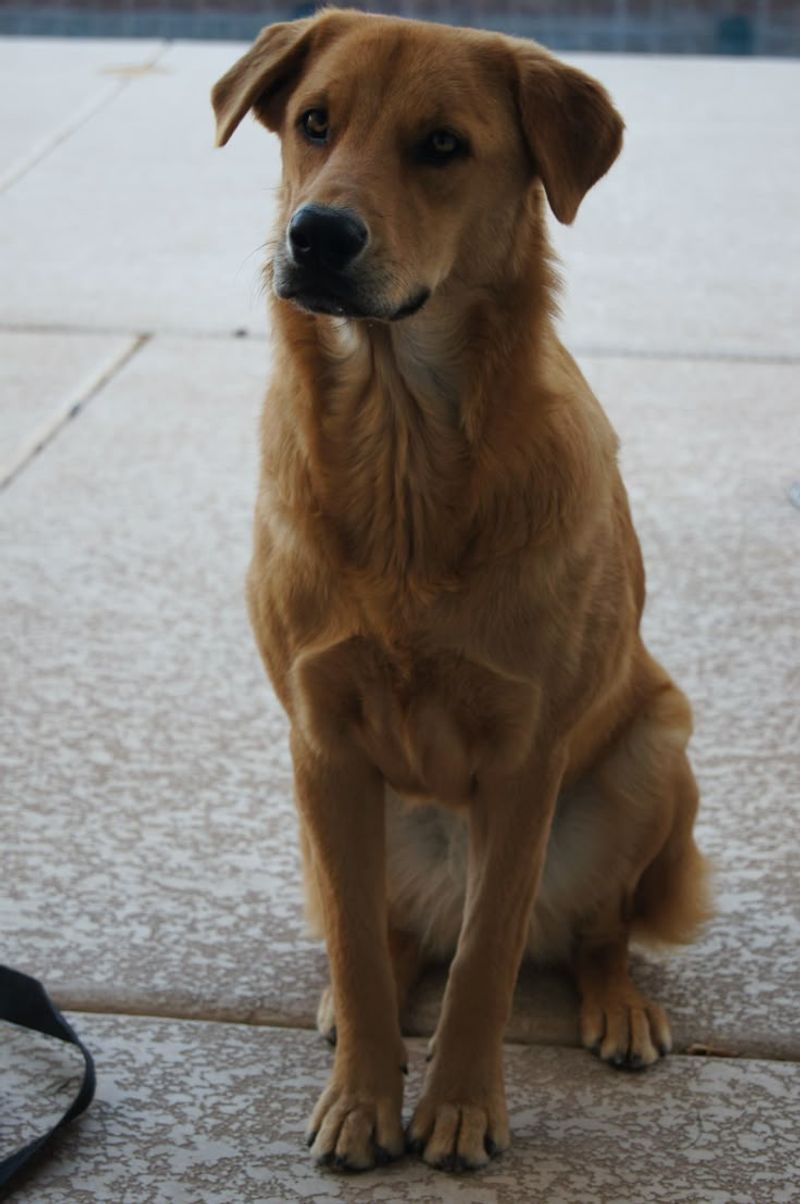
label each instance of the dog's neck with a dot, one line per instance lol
(405, 429)
(420, 362)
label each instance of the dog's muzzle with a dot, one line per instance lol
(319, 267)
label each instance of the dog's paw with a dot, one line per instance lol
(628, 1034)
(459, 1134)
(353, 1129)
(326, 1016)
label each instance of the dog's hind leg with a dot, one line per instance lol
(617, 1022)
(646, 782)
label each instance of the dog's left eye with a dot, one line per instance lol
(440, 147)
(314, 124)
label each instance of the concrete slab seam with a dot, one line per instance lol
(169, 332)
(710, 355)
(274, 1020)
(69, 408)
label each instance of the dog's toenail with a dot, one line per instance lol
(311, 1138)
(415, 1145)
(330, 1036)
(490, 1146)
(382, 1156)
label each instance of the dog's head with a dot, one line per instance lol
(410, 153)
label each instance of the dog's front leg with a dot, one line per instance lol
(357, 1120)
(461, 1119)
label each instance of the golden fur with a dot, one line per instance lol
(446, 587)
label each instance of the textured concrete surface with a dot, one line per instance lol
(43, 378)
(152, 230)
(149, 860)
(689, 243)
(156, 734)
(46, 93)
(211, 1112)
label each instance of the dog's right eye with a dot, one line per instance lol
(314, 124)
(441, 147)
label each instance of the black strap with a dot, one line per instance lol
(24, 1001)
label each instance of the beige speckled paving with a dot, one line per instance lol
(211, 1112)
(152, 756)
(148, 861)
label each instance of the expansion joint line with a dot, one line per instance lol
(69, 408)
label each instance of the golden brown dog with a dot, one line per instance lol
(446, 587)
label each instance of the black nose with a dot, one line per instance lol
(322, 237)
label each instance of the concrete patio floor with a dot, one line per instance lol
(148, 859)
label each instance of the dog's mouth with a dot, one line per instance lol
(338, 300)
(413, 305)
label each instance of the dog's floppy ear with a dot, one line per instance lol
(572, 129)
(260, 76)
